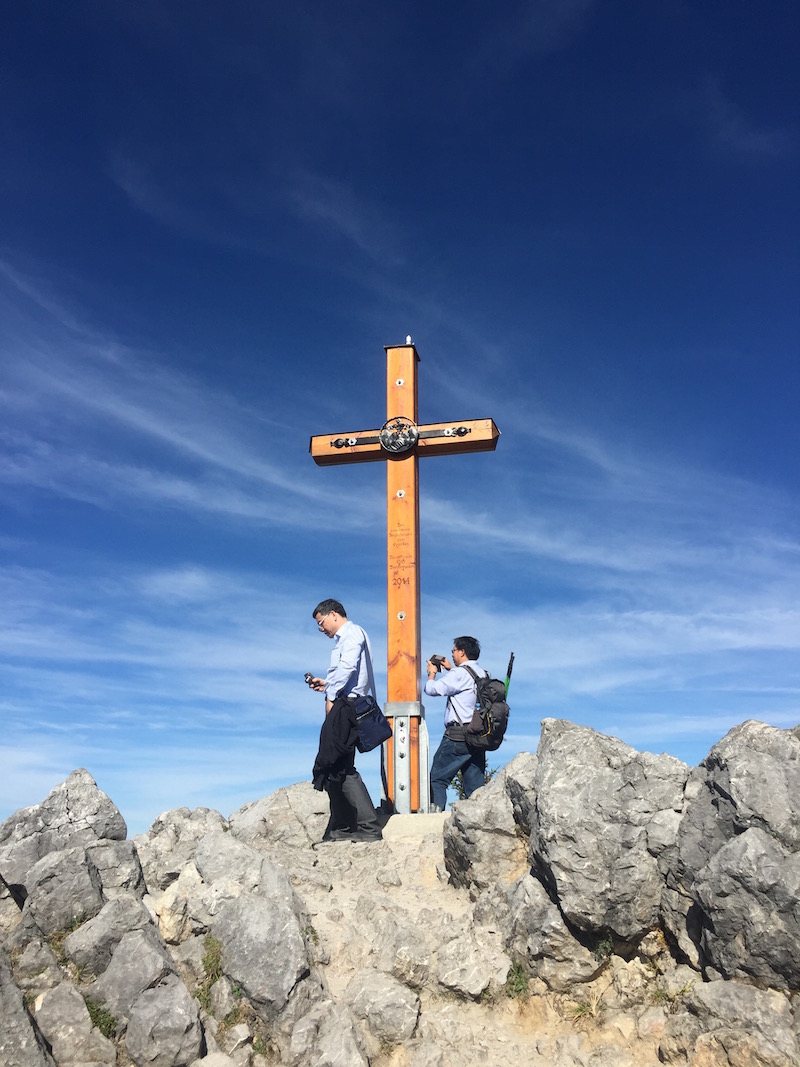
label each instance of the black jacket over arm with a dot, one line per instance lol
(337, 744)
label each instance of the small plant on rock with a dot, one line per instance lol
(261, 1042)
(212, 958)
(458, 782)
(589, 1008)
(670, 999)
(517, 982)
(242, 1013)
(57, 939)
(212, 965)
(310, 933)
(603, 948)
(101, 1017)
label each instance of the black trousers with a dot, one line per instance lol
(352, 810)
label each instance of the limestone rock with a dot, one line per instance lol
(236, 1041)
(263, 950)
(439, 951)
(466, 968)
(188, 959)
(294, 817)
(75, 813)
(21, 1043)
(37, 968)
(223, 868)
(182, 909)
(221, 998)
(482, 840)
(64, 888)
(519, 777)
(599, 826)
(404, 949)
(755, 1025)
(64, 1021)
(753, 777)
(326, 1036)
(171, 841)
(536, 935)
(117, 863)
(92, 945)
(749, 893)
(164, 1026)
(389, 1008)
(750, 779)
(140, 961)
(12, 898)
(221, 857)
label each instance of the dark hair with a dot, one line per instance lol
(468, 645)
(326, 606)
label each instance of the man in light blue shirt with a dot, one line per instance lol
(353, 815)
(454, 754)
(348, 673)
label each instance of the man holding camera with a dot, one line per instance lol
(454, 754)
(353, 815)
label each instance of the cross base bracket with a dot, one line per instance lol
(401, 713)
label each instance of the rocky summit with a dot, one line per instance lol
(592, 906)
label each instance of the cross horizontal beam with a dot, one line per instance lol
(436, 438)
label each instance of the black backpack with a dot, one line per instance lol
(490, 718)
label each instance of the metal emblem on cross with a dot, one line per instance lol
(400, 442)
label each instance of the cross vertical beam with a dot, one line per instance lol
(403, 595)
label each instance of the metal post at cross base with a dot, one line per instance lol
(400, 442)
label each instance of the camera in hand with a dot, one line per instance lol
(437, 662)
(308, 677)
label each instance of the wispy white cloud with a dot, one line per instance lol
(121, 486)
(40, 293)
(250, 217)
(205, 454)
(731, 128)
(337, 208)
(534, 28)
(661, 728)
(146, 195)
(174, 687)
(94, 421)
(172, 200)
(161, 677)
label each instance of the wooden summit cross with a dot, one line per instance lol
(400, 442)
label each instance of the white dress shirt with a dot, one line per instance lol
(458, 686)
(348, 673)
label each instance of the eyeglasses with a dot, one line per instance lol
(324, 617)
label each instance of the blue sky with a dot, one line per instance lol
(214, 217)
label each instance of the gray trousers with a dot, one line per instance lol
(352, 810)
